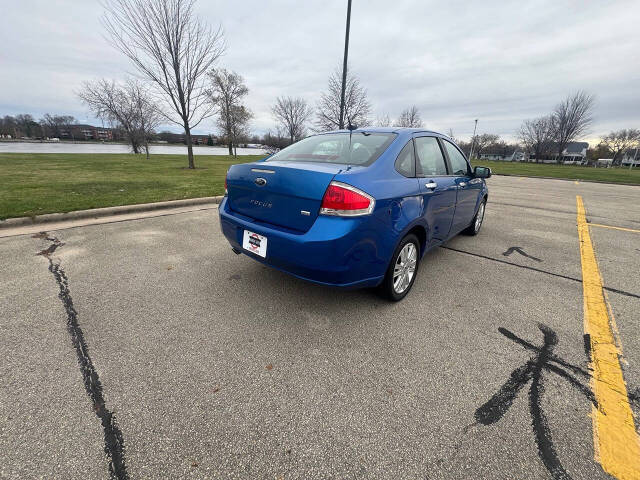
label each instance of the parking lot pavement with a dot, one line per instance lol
(147, 349)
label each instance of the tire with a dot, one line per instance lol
(478, 219)
(398, 281)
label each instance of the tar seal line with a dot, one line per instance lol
(534, 269)
(510, 250)
(543, 360)
(113, 440)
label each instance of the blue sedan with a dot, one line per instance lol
(354, 209)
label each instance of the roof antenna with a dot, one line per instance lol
(351, 128)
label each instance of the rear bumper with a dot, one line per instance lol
(341, 252)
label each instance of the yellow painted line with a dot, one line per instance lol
(615, 440)
(576, 182)
(614, 228)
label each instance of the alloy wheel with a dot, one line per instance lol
(405, 267)
(479, 217)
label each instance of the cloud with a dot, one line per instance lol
(497, 61)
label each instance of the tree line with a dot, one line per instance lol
(175, 54)
(24, 125)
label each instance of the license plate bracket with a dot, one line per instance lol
(254, 243)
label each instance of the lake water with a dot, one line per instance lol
(64, 147)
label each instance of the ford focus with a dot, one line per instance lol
(354, 208)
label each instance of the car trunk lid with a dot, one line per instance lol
(287, 194)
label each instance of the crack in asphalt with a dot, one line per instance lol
(113, 439)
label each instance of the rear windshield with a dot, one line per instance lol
(334, 148)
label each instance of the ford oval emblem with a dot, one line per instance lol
(261, 182)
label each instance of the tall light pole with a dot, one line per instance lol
(344, 66)
(473, 139)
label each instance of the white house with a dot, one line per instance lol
(574, 153)
(504, 155)
(631, 157)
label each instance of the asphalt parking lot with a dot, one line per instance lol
(147, 349)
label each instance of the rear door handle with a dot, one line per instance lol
(431, 185)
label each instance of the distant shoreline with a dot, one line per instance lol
(98, 147)
(98, 142)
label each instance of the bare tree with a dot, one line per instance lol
(571, 119)
(481, 142)
(410, 117)
(147, 115)
(274, 142)
(128, 107)
(292, 114)
(53, 124)
(8, 126)
(537, 136)
(356, 105)
(227, 89)
(619, 141)
(239, 121)
(384, 120)
(20, 125)
(170, 46)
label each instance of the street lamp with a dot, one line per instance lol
(344, 66)
(473, 139)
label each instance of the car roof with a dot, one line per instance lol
(402, 130)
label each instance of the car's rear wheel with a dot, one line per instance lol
(476, 223)
(402, 270)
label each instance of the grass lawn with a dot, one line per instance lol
(571, 172)
(37, 183)
(33, 184)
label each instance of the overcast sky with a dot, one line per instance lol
(497, 61)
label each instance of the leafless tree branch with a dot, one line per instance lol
(292, 114)
(537, 136)
(620, 141)
(226, 91)
(410, 117)
(127, 106)
(571, 119)
(357, 106)
(172, 48)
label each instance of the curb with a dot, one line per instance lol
(566, 179)
(106, 212)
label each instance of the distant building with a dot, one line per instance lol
(170, 137)
(505, 155)
(492, 156)
(86, 132)
(574, 153)
(631, 156)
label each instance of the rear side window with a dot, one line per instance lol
(363, 148)
(406, 161)
(430, 158)
(458, 162)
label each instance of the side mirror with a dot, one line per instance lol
(482, 172)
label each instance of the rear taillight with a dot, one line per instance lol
(225, 185)
(344, 200)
